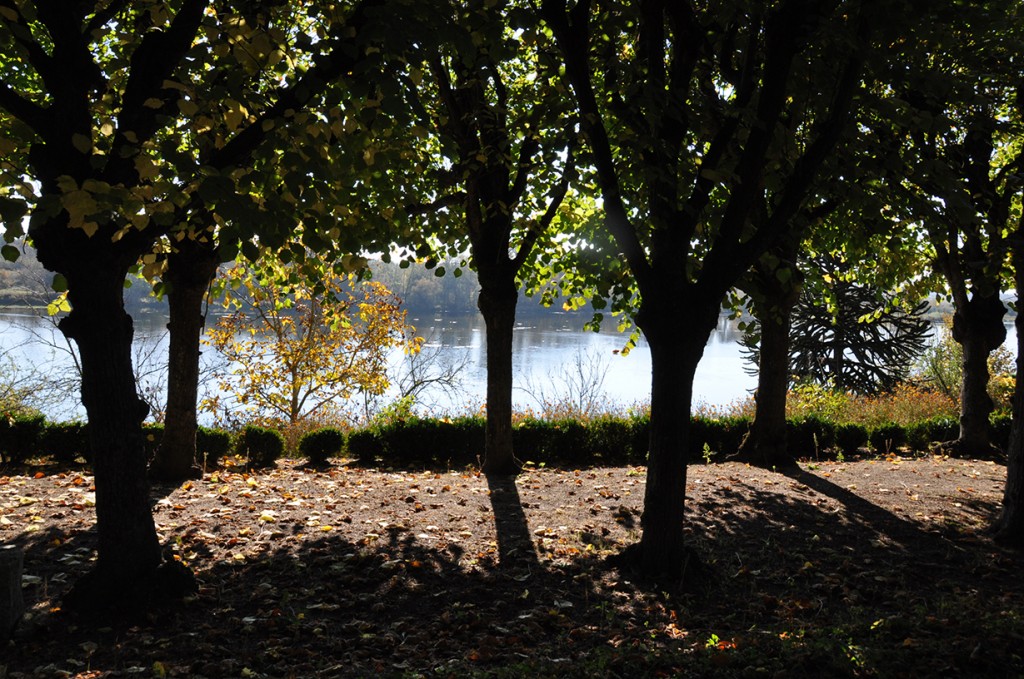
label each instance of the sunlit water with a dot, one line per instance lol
(553, 357)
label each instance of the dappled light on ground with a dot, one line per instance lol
(870, 568)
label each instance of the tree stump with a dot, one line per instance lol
(11, 603)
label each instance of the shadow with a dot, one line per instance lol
(814, 581)
(515, 542)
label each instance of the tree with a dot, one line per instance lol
(1008, 526)
(126, 122)
(866, 344)
(502, 163)
(953, 108)
(191, 267)
(292, 352)
(773, 287)
(707, 124)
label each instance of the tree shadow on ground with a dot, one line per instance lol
(515, 542)
(813, 582)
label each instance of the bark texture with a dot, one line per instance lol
(189, 272)
(978, 327)
(766, 441)
(1009, 525)
(677, 335)
(498, 306)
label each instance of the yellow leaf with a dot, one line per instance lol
(90, 228)
(153, 102)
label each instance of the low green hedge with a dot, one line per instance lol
(457, 442)
(320, 444)
(260, 445)
(20, 437)
(212, 445)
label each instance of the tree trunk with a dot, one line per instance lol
(979, 329)
(766, 441)
(1009, 526)
(129, 550)
(677, 337)
(497, 303)
(189, 272)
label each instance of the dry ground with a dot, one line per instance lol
(864, 568)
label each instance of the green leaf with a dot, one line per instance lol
(59, 284)
(10, 253)
(12, 211)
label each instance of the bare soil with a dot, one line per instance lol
(863, 568)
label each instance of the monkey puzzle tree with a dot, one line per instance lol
(121, 123)
(707, 124)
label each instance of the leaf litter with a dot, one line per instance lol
(865, 568)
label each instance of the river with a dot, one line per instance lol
(553, 358)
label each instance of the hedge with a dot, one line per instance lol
(457, 442)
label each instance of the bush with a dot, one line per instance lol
(65, 442)
(262, 446)
(320, 444)
(365, 446)
(152, 435)
(212, 445)
(850, 438)
(20, 436)
(887, 438)
(810, 435)
(1000, 430)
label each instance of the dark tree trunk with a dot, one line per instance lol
(979, 329)
(189, 272)
(129, 550)
(497, 304)
(766, 441)
(1009, 526)
(677, 336)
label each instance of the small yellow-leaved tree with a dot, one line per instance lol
(293, 351)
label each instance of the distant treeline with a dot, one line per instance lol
(26, 283)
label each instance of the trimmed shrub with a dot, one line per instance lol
(320, 444)
(810, 435)
(152, 435)
(1000, 430)
(850, 438)
(65, 442)
(213, 445)
(365, 446)
(887, 438)
(610, 440)
(20, 437)
(262, 446)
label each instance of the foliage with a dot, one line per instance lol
(212, 445)
(888, 438)
(20, 436)
(320, 444)
(262, 447)
(860, 340)
(65, 442)
(810, 436)
(906, 404)
(941, 367)
(850, 437)
(293, 350)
